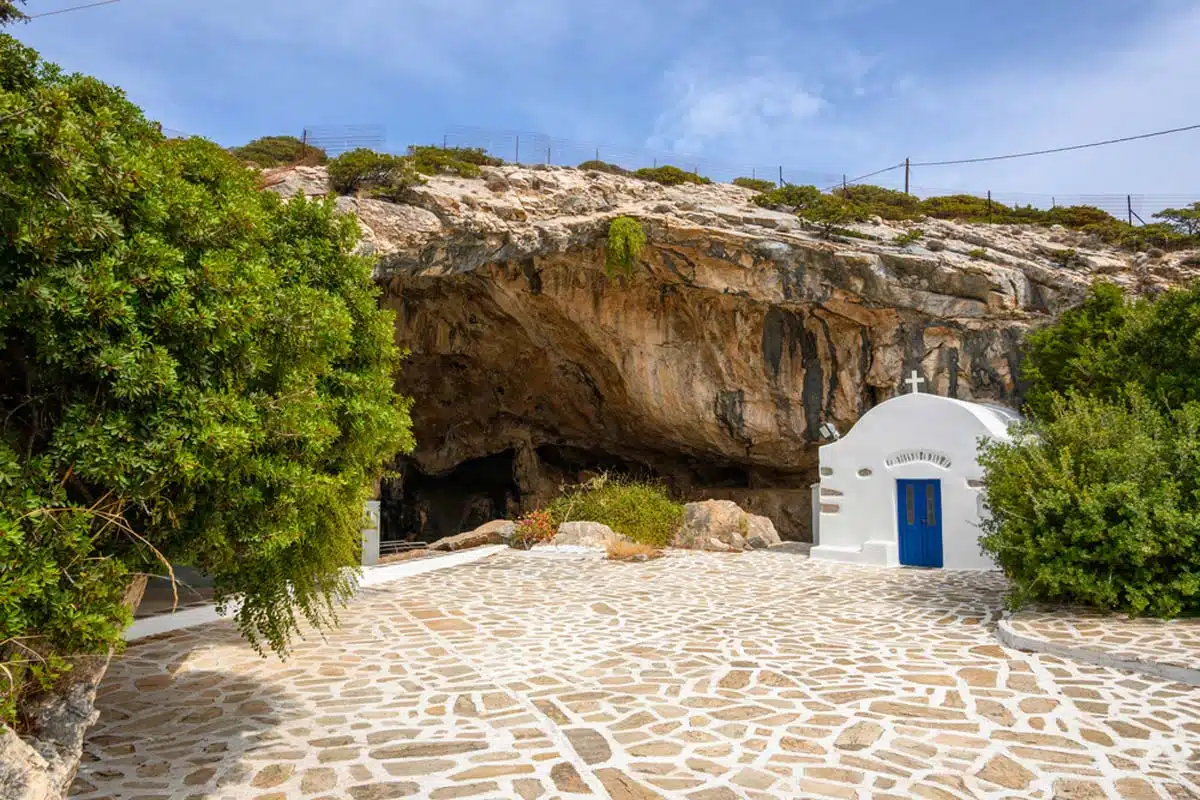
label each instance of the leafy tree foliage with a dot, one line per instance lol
(374, 174)
(1110, 343)
(279, 151)
(1098, 502)
(757, 184)
(789, 195)
(832, 212)
(669, 175)
(885, 203)
(1184, 220)
(9, 12)
(190, 370)
(626, 238)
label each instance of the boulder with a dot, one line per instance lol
(722, 526)
(587, 534)
(494, 532)
(760, 532)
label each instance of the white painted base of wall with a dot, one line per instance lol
(874, 554)
(371, 576)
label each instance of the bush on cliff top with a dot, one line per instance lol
(642, 511)
(757, 184)
(669, 175)
(190, 370)
(604, 166)
(373, 174)
(462, 161)
(279, 151)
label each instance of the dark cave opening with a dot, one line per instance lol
(420, 507)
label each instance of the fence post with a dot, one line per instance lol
(780, 176)
(1053, 204)
(443, 141)
(656, 162)
(989, 205)
(517, 151)
(1129, 207)
(597, 153)
(304, 143)
(752, 175)
(906, 174)
(547, 155)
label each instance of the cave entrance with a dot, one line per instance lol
(417, 507)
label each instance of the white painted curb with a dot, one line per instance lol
(372, 576)
(1029, 644)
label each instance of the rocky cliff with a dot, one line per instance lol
(714, 366)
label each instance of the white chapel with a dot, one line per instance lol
(904, 486)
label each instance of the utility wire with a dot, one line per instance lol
(72, 8)
(1052, 150)
(864, 177)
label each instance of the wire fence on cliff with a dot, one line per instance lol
(527, 147)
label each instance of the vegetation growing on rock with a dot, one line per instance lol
(462, 161)
(831, 212)
(191, 370)
(626, 238)
(1181, 227)
(757, 184)
(279, 151)
(642, 511)
(374, 174)
(604, 166)
(669, 175)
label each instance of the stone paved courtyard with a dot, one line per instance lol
(697, 676)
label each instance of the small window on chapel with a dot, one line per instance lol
(911, 504)
(930, 505)
(865, 472)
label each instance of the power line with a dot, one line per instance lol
(1053, 150)
(868, 175)
(72, 8)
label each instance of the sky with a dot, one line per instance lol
(820, 87)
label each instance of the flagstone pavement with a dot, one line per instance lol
(699, 676)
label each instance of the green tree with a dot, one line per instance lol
(790, 195)
(1098, 502)
(1185, 220)
(375, 174)
(832, 212)
(669, 175)
(278, 151)
(191, 370)
(9, 12)
(1110, 343)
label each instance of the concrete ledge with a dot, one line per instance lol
(372, 576)
(1100, 658)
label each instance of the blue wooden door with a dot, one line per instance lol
(919, 507)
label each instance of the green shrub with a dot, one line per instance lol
(642, 511)
(373, 174)
(190, 369)
(1185, 221)
(1064, 258)
(757, 184)
(1078, 352)
(462, 161)
(964, 207)
(908, 237)
(626, 238)
(790, 195)
(886, 203)
(977, 253)
(278, 151)
(1110, 343)
(1099, 503)
(668, 175)
(604, 166)
(832, 212)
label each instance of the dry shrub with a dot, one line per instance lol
(632, 551)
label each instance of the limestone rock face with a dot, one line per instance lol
(714, 366)
(722, 526)
(760, 532)
(495, 532)
(587, 534)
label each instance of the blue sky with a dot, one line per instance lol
(821, 87)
